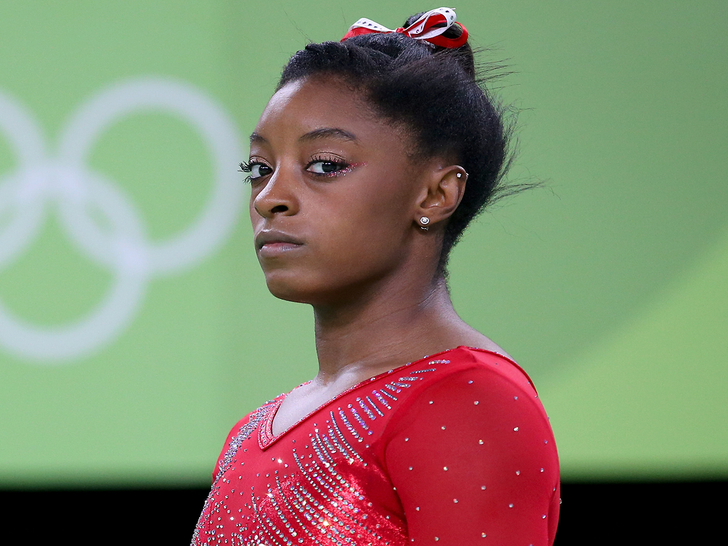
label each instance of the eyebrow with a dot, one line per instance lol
(325, 132)
(255, 137)
(328, 132)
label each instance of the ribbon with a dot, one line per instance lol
(429, 27)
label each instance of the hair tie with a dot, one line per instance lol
(429, 27)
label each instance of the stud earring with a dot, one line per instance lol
(424, 221)
(459, 175)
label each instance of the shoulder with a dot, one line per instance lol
(246, 425)
(493, 364)
(466, 369)
(481, 388)
(471, 453)
(242, 430)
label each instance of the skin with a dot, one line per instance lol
(336, 200)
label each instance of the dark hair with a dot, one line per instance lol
(435, 93)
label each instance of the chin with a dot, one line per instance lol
(286, 288)
(287, 295)
(312, 293)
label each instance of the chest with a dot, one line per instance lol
(321, 481)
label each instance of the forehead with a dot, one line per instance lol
(307, 105)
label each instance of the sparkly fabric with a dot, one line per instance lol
(454, 449)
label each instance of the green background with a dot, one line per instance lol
(608, 284)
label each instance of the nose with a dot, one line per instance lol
(278, 196)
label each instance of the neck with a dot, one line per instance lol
(381, 331)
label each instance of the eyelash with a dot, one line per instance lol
(247, 167)
(342, 167)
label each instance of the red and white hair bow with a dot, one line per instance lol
(429, 27)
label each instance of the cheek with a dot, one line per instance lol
(382, 199)
(366, 235)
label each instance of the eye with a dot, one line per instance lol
(327, 167)
(256, 170)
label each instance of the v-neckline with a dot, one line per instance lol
(266, 438)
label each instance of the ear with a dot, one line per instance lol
(441, 195)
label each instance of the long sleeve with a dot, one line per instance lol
(474, 462)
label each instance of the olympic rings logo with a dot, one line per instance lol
(65, 181)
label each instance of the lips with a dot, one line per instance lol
(271, 242)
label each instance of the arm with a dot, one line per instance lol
(473, 459)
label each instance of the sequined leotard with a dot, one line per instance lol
(453, 449)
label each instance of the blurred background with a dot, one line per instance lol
(135, 326)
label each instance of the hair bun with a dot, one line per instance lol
(463, 54)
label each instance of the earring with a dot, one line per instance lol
(424, 221)
(459, 175)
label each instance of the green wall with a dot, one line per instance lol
(135, 327)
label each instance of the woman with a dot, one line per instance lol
(366, 166)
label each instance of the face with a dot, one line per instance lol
(333, 194)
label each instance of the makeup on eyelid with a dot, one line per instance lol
(347, 168)
(253, 167)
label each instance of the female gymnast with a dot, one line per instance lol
(367, 164)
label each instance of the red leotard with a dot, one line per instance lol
(453, 449)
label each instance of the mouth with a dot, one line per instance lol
(270, 242)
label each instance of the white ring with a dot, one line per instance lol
(218, 218)
(122, 246)
(18, 190)
(113, 314)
